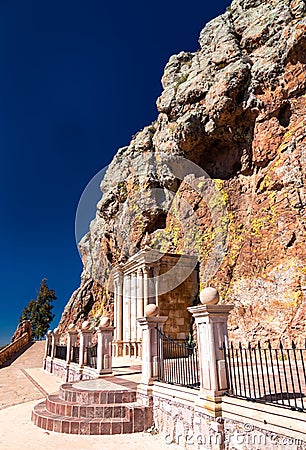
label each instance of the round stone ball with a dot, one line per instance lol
(56, 330)
(86, 325)
(49, 332)
(104, 322)
(209, 296)
(151, 310)
(71, 327)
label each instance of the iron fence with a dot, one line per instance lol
(75, 356)
(177, 362)
(91, 356)
(61, 351)
(268, 375)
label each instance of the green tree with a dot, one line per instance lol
(39, 311)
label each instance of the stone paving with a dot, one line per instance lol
(22, 385)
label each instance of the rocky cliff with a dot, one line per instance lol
(236, 109)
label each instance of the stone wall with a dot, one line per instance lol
(174, 305)
(22, 337)
(183, 418)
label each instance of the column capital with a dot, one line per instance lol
(118, 274)
(146, 270)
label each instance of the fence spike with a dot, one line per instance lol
(269, 344)
(258, 345)
(293, 345)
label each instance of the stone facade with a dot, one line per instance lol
(151, 277)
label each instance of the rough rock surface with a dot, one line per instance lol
(236, 108)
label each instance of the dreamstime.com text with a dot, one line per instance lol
(246, 439)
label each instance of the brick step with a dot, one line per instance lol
(61, 407)
(139, 418)
(70, 393)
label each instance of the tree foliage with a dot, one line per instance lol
(39, 311)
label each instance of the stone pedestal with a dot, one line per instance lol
(211, 323)
(104, 351)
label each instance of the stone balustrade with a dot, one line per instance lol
(81, 359)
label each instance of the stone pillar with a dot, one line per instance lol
(145, 286)
(116, 309)
(85, 339)
(139, 305)
(211, 321)
(119, 323)
(156, 286)
(104, 351)
(133, 306)
(127, 309)
(149, 347)
(71, 340)
(55, 342)
(48, 344)
(48, 348)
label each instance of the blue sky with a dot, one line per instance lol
(77, 80)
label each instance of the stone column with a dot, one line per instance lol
(150, 347)
(48, 344)
(211, 321)
(145, 286)
(71, 340)
(116, 309)
(156, 287)
(104, 351)
(139, 305)
(48, 349)
(55, 342)
(55, 337)
(127, 309)
(85, 339)
(133, 306)
(119, 323)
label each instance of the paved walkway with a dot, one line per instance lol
(23, 383)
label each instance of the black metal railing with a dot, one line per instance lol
(61, 352)
(268, 375)
(91, 356)
(75, 355)
(177, 362)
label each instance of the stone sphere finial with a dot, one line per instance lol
(85, 325)
(49, 332)
(104, 321)
(209, 296)
(151, 310)
(56, 330)
(71, 327)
